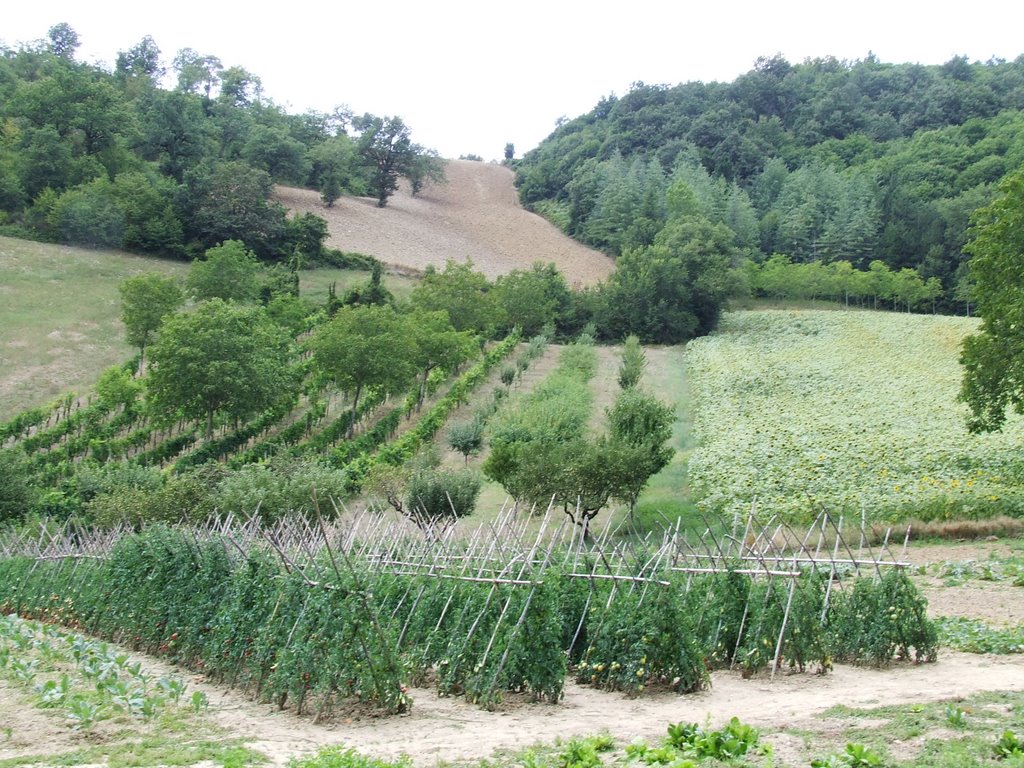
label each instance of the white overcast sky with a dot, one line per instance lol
(469, 77)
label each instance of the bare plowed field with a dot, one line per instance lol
(475, 216)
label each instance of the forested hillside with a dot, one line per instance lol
(825, 160)
(176, 162)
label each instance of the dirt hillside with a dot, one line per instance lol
(476, 216)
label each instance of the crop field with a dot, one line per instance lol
(855, 413)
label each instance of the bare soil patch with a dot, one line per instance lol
(995, 604)
(31, 730)
(927, 554)
(449, 729)
(475, 216)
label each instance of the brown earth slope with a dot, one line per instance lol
(475, 216)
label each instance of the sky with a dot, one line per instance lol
(470, 77)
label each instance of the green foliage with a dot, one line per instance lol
(878, 621)
(426, 167)
(772, 158)
(374, 292)
(671, 290)
(854, 756)
(224, 201)
(977, 637)
(437, 345)
(780, 278)
(1008, 745)
(532, 299)
(435, 494)
(993, 379)
(227, 272)
(350, 349)
(17, 492)
(219, 359)
(165, 593)
(337, 757)
(533, 443)
(466, 295)
(103, 685)
(145, 301)
(280, 488)
(387, 149)
(466, 437)
(796, 408)
(632, 364)
(643, 639)
(689, 742)
(117, 387)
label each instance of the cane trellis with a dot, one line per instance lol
(515, 603)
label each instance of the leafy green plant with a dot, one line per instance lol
(975, 636)
(854, 756)
(1008, 745)
(82, 713)
(688, 742)
(338, 757)
(956, 716)
(199, 701)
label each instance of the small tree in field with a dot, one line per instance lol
(640, 428)
(633, 363)
(466, 438)
(228, 272)
(437, 344)
(431, 498)
(365, 346)
(145, 301)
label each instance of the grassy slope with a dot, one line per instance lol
(60, 321)
(59, 318)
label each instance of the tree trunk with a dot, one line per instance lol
(355, 404)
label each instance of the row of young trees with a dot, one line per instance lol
(781, 278)
(116, 159)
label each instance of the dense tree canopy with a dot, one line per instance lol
(825, 160)
(994, 358)
(219, 359)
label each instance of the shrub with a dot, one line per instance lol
(435, 493)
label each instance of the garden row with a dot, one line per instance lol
(333, 625)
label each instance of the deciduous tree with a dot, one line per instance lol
(220, 359)
(145, 301)
(465, 294)
(365, 346)
(386, 147)
(228, 272)
(994, 358)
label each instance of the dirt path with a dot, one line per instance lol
(451, 729)
(475, 216)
